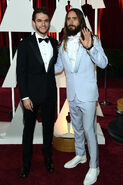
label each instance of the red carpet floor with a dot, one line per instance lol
(110, 154)
(111, 165)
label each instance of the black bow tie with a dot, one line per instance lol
(46, 40)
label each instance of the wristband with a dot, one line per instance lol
(90, 47)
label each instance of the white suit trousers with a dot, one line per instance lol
(83, 122)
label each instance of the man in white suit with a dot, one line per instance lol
(78, 54)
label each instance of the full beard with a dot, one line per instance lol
(72, 32)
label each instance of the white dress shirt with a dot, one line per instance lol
(73, 44)
(46, 50)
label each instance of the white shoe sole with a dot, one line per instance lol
(72, 166)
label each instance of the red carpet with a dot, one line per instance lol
(111, 164)
(111, 154)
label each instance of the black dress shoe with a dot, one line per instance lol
(49, 165)
(24, 172)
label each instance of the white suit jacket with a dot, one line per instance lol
(82, 80)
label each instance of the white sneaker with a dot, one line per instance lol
(91, 176)
(75, 161)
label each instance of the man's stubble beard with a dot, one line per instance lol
(71, 32)
(43, 33)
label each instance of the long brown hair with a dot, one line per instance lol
(81, 21)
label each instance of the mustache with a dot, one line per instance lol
(72, 25)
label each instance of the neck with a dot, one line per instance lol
(41, 34)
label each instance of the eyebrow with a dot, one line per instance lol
(42, 19)
(72, 17)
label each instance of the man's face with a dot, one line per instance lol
(41, 23)
(72, 24)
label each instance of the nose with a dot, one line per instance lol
(71, 21)
(43, 23)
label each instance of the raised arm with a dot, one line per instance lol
(94, 48)
(97, 54)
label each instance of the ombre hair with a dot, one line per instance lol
(81, 22)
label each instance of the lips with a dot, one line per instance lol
(71, 26)
(43, 28)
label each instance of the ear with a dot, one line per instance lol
(33, 23)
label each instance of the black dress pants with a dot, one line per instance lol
(48, 119)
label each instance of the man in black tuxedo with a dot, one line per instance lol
(36, 57)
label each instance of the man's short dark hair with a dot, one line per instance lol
(40, 10)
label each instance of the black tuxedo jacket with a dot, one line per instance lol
(33, 81)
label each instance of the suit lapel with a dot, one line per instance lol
(35, 48)
(68, 61)
(78, 58)
(54, 53)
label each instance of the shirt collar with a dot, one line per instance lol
(38, 36)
